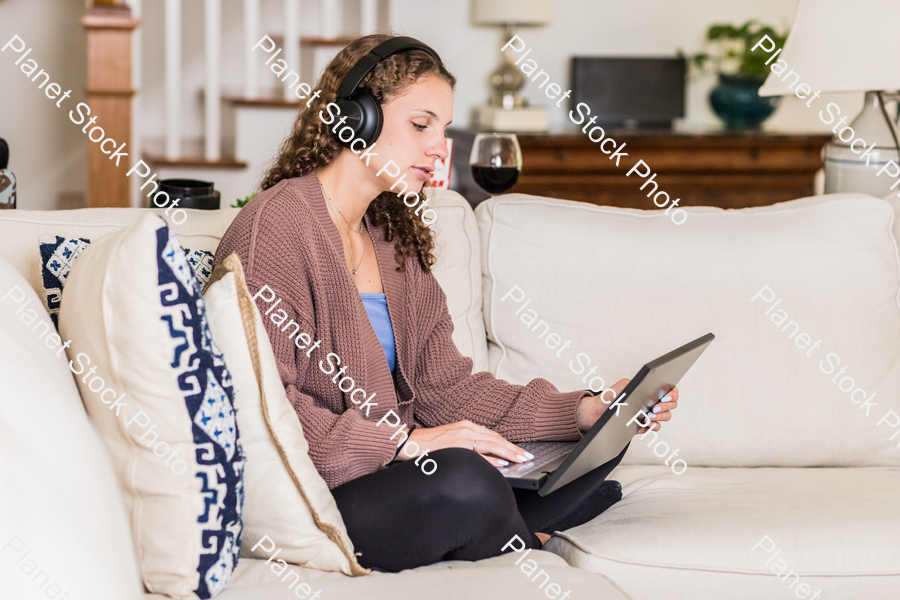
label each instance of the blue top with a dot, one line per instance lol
(376, 308)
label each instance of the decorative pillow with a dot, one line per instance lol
(157, 388)
(286, 498)
(58, 254)
(63, 528)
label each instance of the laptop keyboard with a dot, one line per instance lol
(544, 453)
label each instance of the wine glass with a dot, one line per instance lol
(496, 161)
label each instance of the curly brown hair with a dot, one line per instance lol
(311, 145)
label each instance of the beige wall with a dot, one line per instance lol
(47, 151)
(598, 27)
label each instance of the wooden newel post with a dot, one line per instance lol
(110, 27)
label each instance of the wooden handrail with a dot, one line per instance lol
(109, 93)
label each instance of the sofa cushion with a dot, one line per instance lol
(136, 318)
(289, 511)
(488, 579)
(458, 248)
(458, 271)
(739, 534)
(62, 524)
(623, 287)
(21, 231)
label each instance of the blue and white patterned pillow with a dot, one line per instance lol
(133, 305)
(56, 262)
(58, 253)
(208, 395)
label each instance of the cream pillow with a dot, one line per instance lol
(285, 499)
(62, 524)
(159, 393)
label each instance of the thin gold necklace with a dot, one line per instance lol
(360, 232)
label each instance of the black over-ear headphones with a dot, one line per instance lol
(361, 108)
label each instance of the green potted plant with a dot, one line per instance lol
(239, 203)
(741, 72)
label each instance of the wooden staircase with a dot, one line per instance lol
(242, 130)
(109, 94)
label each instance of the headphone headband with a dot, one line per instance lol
(364, 65)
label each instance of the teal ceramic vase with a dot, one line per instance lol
(737, 102)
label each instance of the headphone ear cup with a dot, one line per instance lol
(364, 116)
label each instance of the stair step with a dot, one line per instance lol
(261, 102)
(317, 40)
(342, 40)
(195, 162)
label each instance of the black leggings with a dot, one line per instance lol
(399, 518)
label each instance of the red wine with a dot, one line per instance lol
(495, 180)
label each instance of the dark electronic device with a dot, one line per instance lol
(557, 463)
(629, 93)
(361, 108)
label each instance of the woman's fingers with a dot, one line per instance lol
(496, 437)
(483, 433)
(620, 385)
(662, 410)
(665, 406)
(656, 427)
(660, 416)
(497, 462)
(505, 450)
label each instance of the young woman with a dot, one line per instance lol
(351, 265)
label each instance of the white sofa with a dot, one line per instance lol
(63, 527)
(774, 450)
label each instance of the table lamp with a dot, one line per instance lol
(507, 110)
(838, 47)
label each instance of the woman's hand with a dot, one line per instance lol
(661, 412)
(465, 434)
(590, 408)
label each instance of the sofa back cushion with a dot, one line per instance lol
(620, 287)
(458, 270)
(63, 528)
(23, 231)
(24, 234)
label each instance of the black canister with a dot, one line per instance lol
(191, 193)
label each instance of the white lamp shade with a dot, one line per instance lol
(501, 12)
(840, 46)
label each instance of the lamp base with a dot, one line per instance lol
(528, 119)
(844, 171)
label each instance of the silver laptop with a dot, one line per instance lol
(557, 463)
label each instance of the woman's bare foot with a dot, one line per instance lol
(543, 537)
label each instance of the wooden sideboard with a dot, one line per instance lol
(728, 170)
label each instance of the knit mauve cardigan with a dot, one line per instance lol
(286, 239)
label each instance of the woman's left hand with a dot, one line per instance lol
(590, 408)
(661, 412)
